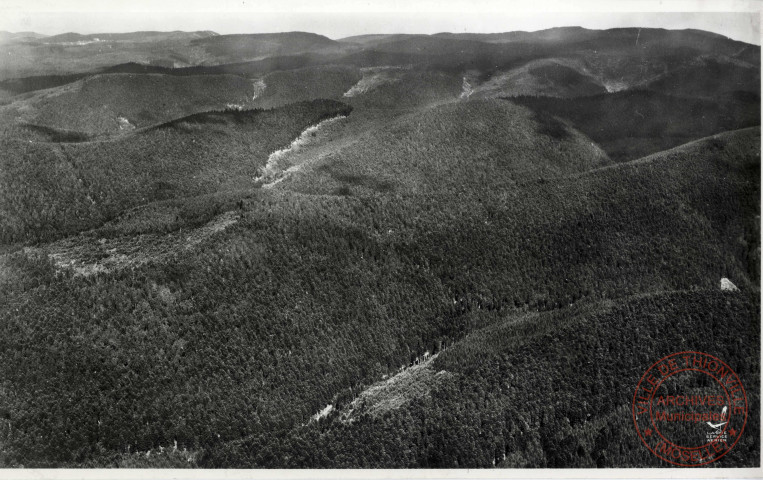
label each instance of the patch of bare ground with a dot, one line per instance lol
(258, 87)
(406, 386)
(374, 77)
(88, 255)
(282, 163)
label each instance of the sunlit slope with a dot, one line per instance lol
(625, 218)
(453, 147)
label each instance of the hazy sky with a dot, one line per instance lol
(341, 18)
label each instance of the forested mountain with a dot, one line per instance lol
(115, 103)
(252, 46)
(388, 251)
(653, 122)
(6, 36)
(532, 390)
(148, 37)
(50, 189)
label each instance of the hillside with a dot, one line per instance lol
(628, 56)
(508, 423)
(50, 190)
(617, 59)
(708, 77)
(375, 39)
(6, 36)
(153, 36)
(654, 121)
(284, 87)
(38, 58)
(695, 176)
(257, 46)
(616, 39)
(450, 147)
(551, 77)
(533, 390)
(401, 88)
(116, 103)
(555, 35)
(298, 268)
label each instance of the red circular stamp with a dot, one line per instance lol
(690, 409)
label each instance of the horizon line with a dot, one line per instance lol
(336, 38)
(734, 25)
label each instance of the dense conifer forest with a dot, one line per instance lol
(373, 252)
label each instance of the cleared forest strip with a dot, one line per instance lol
(87, 256)
(277, 165)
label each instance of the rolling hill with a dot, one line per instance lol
(619, 39)
(654, 121)
(549, 77)
(38, 58)
(6, 36)
(507, 419)
(257, 46)
(115, 103)
(533, 390)
(289, 86)
(139, 37)
(452, 146)
(50, 189)
(617, 59)
(708, 77)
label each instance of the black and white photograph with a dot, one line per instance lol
(382, 239)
